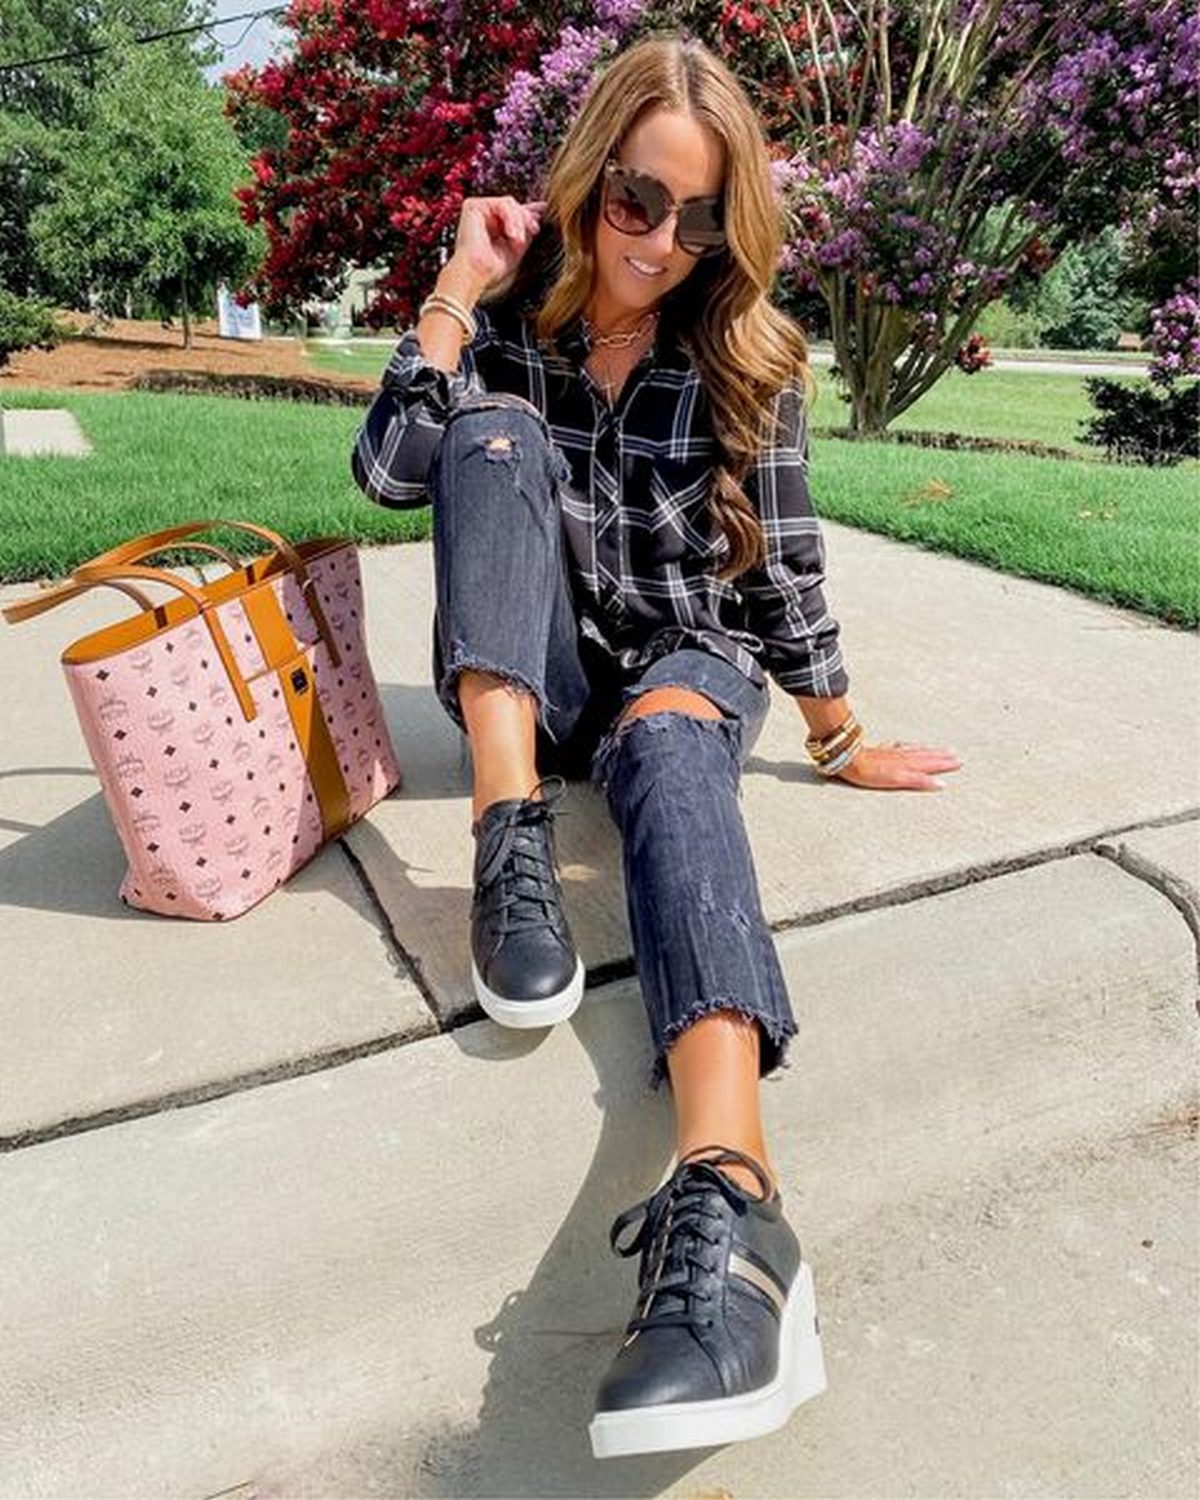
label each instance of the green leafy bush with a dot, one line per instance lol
(1138, 426)
(26, 325)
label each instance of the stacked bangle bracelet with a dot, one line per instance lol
(834, 751)
(452, 307)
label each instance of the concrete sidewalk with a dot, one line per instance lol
(278, 1216)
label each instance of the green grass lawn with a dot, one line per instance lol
(1126, 535)
(159, 459)
(367, 360)
(1123, 535)
(1028, 405)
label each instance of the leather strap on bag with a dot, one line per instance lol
(139, 547)
(159, 541)
(234, 564)
(90, 576)
(117, 562)
(299, 687)
(26, 609)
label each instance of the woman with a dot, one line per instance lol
(607, 415)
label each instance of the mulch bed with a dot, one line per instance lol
(118, 354)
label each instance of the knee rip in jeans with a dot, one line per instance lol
(670, 698)
(498, 450)
(658, 724)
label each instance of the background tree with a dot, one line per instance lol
(144, 201)
(41, 104)
(38, 102)
(947, 149)
(25, 324)
(1081, 302)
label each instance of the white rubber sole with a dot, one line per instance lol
(709, 1424)
(529, 1013)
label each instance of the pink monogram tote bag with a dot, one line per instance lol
(235, 726)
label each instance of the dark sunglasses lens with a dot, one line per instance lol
(700, 230)
(634, 206)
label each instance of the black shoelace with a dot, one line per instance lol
(683, 1225)
(517, 855)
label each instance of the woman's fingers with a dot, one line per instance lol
(513, 220)
(912, 751)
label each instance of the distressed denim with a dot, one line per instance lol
(671, 780)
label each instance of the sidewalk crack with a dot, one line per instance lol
(1178, 891)
(405, 964)
(206, 1093)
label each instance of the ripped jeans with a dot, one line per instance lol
(671, 780)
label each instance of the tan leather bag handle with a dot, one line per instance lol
(157, 541)
(139, 547)
(59, 593)
(92, 575)
(234, 564)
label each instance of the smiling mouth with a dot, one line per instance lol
(641, 269)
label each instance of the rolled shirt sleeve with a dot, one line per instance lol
(784, 600)
(403, 427)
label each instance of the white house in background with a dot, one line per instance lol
(338, 317)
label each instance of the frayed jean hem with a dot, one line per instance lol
(461, 660)
(774, 1036)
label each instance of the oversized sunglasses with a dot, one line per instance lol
(636, 203)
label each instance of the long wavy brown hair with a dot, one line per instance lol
(745, 349)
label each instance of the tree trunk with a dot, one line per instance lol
(870, 372)
(868, 404)
(187, 321)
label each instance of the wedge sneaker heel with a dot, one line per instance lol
(711, 1424)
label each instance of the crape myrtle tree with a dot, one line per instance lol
(930, 155)
(388, 106)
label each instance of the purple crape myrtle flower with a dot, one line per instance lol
(1175, 336)
(538, 106)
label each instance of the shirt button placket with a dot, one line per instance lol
(609, 548)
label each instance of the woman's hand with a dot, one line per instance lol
(898, 766)
(492, 237)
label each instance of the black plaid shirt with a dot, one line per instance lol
(642, 550)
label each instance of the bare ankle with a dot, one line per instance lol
(504, 790)
(744, 1177)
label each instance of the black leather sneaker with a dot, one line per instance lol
(723, 1343)
(523, 962)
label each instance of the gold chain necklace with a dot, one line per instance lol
(622, 340)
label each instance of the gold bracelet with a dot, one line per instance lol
(436, 296)
(435, 304)
(817, 744)
(439, 302)
(440, 306)
(832, 767)
(830, 747)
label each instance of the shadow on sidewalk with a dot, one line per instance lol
(551, 1342)
(73, 864)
